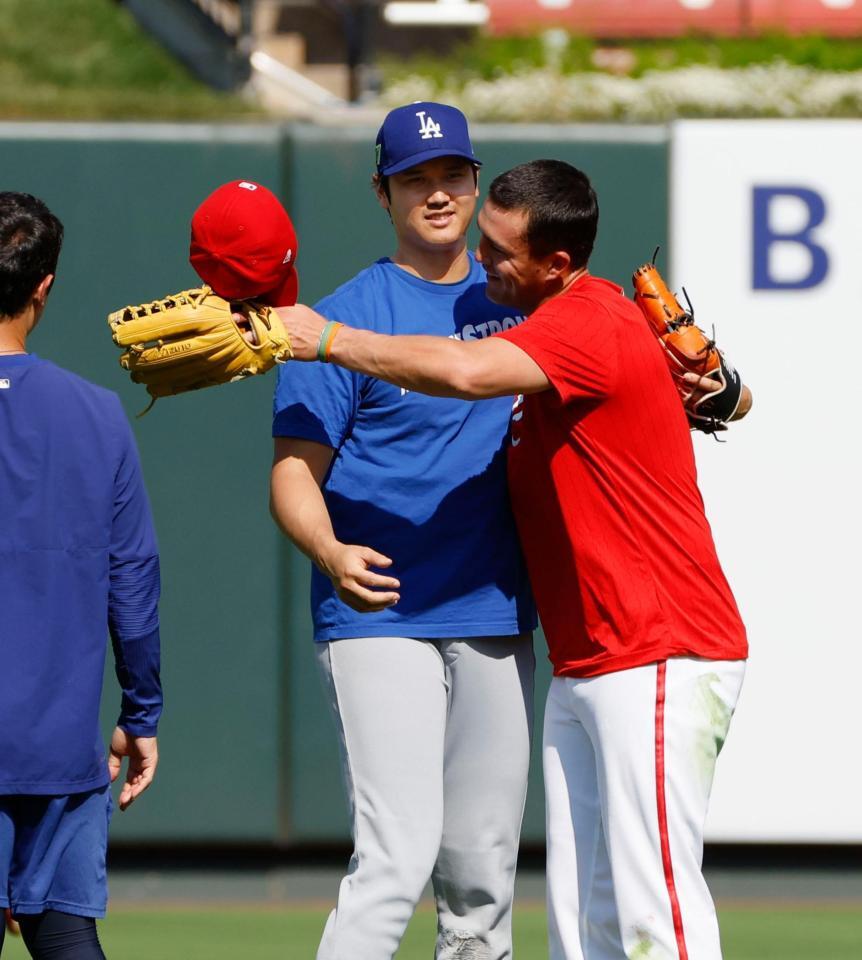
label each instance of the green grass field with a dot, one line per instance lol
(89, 60)
(751, 932)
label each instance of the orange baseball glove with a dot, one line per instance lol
(688, 350)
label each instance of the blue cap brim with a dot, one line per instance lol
(407, 162)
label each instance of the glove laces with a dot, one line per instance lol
(191, 297)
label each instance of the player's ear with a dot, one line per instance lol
(40, 297)
(557, 264)
(40, 294)
(384, 201)
(381, 190)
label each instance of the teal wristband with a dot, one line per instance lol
(327, 335)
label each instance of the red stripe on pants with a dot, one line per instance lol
(662, 811)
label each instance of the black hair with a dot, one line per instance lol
(380, 181)
(380, 184)
(30, 241)
(561, 206)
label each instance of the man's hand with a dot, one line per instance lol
(693, 388)
(304, 327)
(143, 755)
(348, 566)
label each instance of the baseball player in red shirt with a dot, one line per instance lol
(645, 637)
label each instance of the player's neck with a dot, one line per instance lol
(561, 286)
(13, 335)
(438, 266)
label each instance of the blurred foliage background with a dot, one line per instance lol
(89, 60)
(487, 57)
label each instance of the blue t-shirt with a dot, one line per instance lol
(420, 479)
(78, 560)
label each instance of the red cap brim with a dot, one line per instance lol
(285, 294)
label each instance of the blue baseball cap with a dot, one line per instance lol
(422, 131)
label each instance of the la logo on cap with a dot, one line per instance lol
(245, 185)
(427, 127)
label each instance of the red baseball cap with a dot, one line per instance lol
(244, 246)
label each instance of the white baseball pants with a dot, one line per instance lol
(435, 742)
(629, 760)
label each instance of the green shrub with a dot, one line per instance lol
(487, 57)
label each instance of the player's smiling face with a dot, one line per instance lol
(515, 277)
(431, 204)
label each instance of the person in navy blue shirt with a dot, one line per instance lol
(78, 562)
(421, 605)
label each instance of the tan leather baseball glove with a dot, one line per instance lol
(196, 339)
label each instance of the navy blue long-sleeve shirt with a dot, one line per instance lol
(78, 562)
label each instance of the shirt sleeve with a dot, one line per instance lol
(133, 598)
(573, 340)
(316, 401)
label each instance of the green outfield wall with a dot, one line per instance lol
(248, 752)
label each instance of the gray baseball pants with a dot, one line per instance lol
(435, 745)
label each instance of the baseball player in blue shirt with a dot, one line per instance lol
(78, 560)
(421, 605)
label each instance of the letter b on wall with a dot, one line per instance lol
(785, 255)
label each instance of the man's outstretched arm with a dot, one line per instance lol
(440, 366)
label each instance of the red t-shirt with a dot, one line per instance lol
(604, 490)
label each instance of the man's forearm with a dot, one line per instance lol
(439, 366)
(299, 510)
(133, 622)
(137, 666)
(436, 365)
